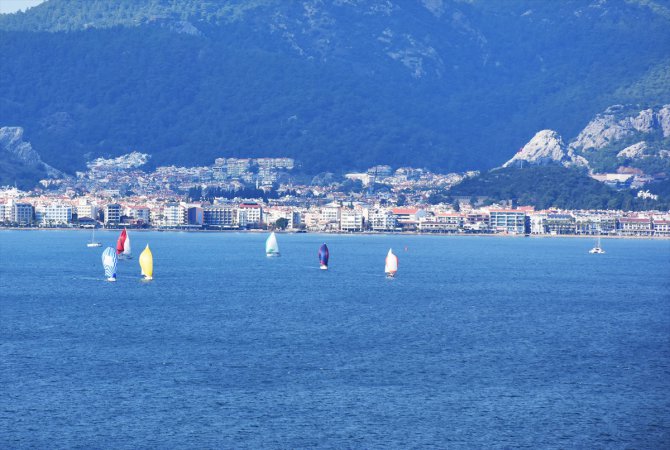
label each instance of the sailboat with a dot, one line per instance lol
(271, 245)
(123, 245)
(324, 254)
(93, 243)
(109, 260)
(391, 266)
(147, 263)
(597, 249)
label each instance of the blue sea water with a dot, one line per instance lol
(479, 342)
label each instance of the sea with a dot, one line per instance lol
(479, 342)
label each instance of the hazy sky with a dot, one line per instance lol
(10, 6)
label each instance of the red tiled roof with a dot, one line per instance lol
(404, 210)
(507, 211)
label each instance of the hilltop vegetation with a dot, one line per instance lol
(448, 86)
(553, 186)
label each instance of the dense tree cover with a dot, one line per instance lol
(606, 159)
(552, 186)
(13, 173)
(193, 80)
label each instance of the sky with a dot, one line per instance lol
(10, 6)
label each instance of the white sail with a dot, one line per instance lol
(597, 249)
(126, 246)
(93, 243)
(391, 266)
(271, 245)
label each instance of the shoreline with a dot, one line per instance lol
(358, 233)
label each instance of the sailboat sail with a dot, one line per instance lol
(271, 245)
(597, 249)
(126, 246)
(324, 254)
(147, 263)
(109, 260)
(391, 266)
(121, 242)
(93, 243)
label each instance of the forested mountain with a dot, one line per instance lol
(337, 84)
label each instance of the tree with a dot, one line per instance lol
(281, 223)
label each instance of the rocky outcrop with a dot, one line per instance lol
(613, 125)
(545, 148)
(634, 151)
(12, 146)
(664, 120)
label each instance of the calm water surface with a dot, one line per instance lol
(479, 342)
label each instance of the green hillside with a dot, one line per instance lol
(339, 86)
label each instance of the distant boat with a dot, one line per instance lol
(597, 249)
(93, 243)
(123, 245)
(109, 260)
(271, 245)
(147, 263)
(391, 266)
(324, 254)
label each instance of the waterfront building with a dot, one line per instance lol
(249, 215)
(57, 214)
(634, 226)
(22, 213)
(507, 221)
(441, 222)
(537, 222)
(476, 222)
(594, 224)
(661, 227)
(84, 209)
(195, 215)
(352, 220)
(3, 212)
(408, 218)
(330, 214)
(405, 215)
(112, 214)
(272, 215)
(220, 216)
(174, 215)
(383, 221)
(559, 224)
(139, 213)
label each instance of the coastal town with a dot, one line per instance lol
(265, 193)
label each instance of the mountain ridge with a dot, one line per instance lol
(446, 85)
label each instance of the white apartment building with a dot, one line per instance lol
(383, 221)
(84, 209)
(352, 220)
(330, 214)
(174, 215)
(57, 214)
(249, 214)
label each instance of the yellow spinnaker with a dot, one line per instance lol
(147, 263)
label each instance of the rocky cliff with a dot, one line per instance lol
(545, 148)
(621, 135)
(13, 149)
(615, 125)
